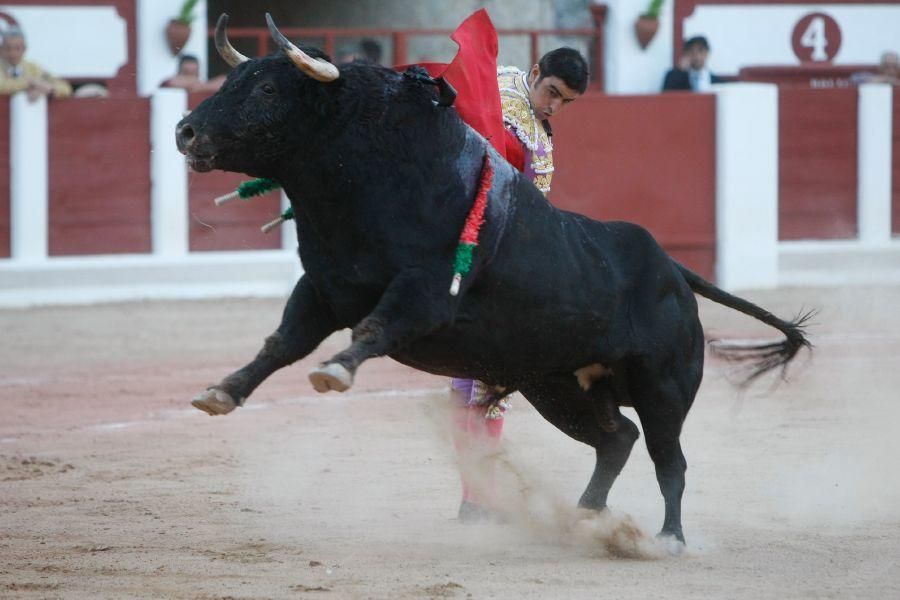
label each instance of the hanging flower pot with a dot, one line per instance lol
(645, 28)
(648, 23)
(178, 29)
(177, 34)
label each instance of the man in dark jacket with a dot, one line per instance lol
(692, 74)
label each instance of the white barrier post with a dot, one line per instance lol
(288, 229)
(874, 167)
(747, 185)
(29, 187)
(168, 175)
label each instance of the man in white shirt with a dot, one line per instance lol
(888, 71)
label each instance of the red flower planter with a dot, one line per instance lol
(645, 28)
(177, 34)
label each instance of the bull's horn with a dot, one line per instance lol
(226, 50)
(317, 68)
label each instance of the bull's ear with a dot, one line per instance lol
(226, 50)
(317, 68)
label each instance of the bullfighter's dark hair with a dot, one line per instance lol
(568, 64)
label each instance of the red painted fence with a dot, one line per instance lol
(646, 159)
(99, 176)
(617, 159)
(817, 167)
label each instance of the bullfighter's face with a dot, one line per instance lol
(548, 94)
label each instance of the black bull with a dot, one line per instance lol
(381, 179)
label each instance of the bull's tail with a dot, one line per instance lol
(760, 357)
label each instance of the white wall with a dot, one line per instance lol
(64, 39)
(734, 33)
(630, 70)
(154, 60)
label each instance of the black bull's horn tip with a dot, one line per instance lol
(279, 38)
(317, 68)
(224, 47)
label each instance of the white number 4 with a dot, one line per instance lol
(814, 37)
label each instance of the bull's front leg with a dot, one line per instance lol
(415, 304)
(306, 321)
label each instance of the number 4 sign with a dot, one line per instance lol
(816, 38)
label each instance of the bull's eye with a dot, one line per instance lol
(268, 88)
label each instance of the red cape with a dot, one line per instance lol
(473, 73)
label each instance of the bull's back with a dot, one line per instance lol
(558, 293)
(555, 258)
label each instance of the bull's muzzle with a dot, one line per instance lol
(198, 158)
(184, 137)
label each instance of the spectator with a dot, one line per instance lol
(692, 73)
(91, 90)
(347, 54)
(888, 71)
(371, 51)
(20, 75)
(188, 77)
(367, 50)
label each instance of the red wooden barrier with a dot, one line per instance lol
(99, 176)
(645, 159)
(895, 160)
(5, 214)
(824, 75)
(233, 226)
(817, 173)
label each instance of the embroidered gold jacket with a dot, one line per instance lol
(519, 118)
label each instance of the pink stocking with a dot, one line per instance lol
(483, 439)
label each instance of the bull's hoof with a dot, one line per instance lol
(672, 543)
(214, 402)
(331, 376)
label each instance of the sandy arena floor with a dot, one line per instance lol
(111, 486)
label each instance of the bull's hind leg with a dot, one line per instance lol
(613, 447)
(305, 323)
(662, 403)
(414, 305)
(579, 415)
